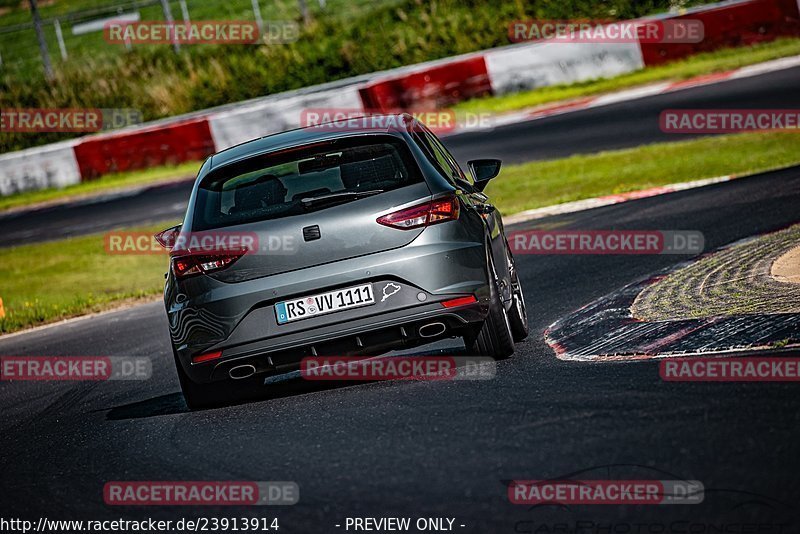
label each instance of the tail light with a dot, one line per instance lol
(460, 301)
(432, 212)
(209, 356)
(184, 266)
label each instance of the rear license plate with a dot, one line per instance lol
(333, 301)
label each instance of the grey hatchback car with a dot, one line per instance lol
(343, 240)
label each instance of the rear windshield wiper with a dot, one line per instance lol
(334, 197)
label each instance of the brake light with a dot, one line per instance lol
(207, 357)
(433, 212)
(184, 266)
(460, 301)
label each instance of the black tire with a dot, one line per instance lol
(518, 314)
(200, 396)
(494, 338)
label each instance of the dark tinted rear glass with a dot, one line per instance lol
(274, 185)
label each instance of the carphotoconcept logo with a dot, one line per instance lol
(710, 121)
(606, 242)
(38, 120)
(603, 31)
(199, 493)
(74, 368)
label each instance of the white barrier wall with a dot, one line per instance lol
(39, 168)
(532, 65)
(512, 68)
(230, 128)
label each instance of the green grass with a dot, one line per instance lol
(537, 184)
(706, 63)
(718, 61)
(352, 37)
(45, 282)
(107, 183)
(731, 281)
(20, 48)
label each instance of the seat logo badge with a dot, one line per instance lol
(389, 289)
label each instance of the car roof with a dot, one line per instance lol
(372, 124)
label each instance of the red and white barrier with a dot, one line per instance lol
(229, 128)
(53, 165)
(425, 86)
(504, 70)
(429, 86)
(531, 65)
(737, 23)
(140, 148)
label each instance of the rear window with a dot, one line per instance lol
(274, 185)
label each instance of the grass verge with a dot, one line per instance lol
(711, 62)
(46, 282)
(732, 281)
(707, 63)
(106, 184)
(347, 38)
(542, 183)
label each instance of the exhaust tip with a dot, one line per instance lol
(242, 371)
(432, 329)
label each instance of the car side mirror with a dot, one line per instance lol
(167, 238)
(483, 170)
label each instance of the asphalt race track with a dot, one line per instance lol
(431, 449)
(610, 127)
(626, 124)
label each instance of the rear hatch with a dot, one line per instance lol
(311, 205)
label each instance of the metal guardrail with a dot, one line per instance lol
(25, 48)
(82, 15)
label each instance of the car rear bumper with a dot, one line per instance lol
(368, 336)
(239, 319)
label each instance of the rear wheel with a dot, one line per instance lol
(494, 338)
(518, 315)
